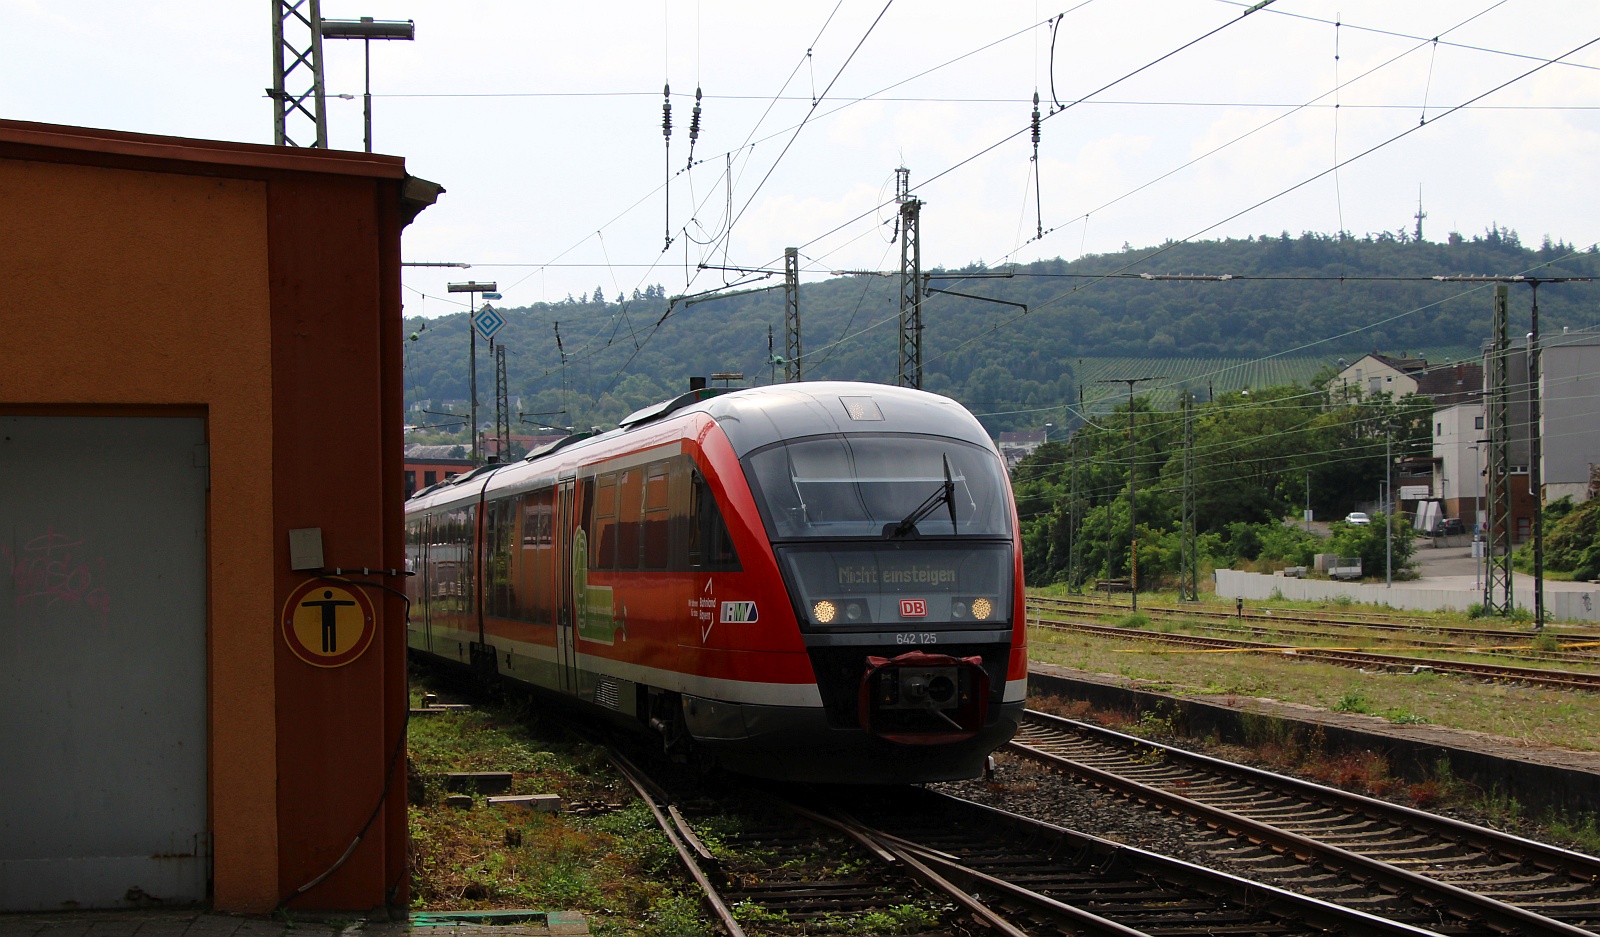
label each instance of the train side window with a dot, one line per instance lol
(536, 567)
(630, 492)
(500, 520)
(454, 561)
(653, 529)
(710, 546)
(603, 526)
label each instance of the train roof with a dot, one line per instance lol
(761, 416)
(753, 417)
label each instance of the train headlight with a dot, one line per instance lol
(854, 611)
(982, 609)
(958, 609)
(824, 611)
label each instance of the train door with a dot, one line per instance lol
(425, 579)
(571, 572)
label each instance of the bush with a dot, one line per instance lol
(1571, 539)
(1367, 541)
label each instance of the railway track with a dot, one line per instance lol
(774, 872)
(1574, 649)
(1560, 679)
(1279, 617)
(1512, 884)
(930, 864)
(1048, 880)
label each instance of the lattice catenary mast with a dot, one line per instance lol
(298, 116)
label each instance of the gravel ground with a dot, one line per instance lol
(1023, 787)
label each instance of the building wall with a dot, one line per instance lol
(417, 471)
(1456, 432)
(1359, 378)
(1569, 393)
(258, 287)
(124, 291)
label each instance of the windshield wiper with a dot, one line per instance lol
(945, 494)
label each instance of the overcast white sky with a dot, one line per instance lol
(542, 121)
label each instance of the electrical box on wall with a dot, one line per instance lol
(305, 548)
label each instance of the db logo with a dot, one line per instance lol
(913, 608)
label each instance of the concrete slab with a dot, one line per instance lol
(543, 803)
(478, 782)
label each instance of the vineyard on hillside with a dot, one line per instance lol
(1204, 376)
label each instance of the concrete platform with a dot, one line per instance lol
(200, 923)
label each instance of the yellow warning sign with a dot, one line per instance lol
(327, 625)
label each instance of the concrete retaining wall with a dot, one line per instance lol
(1415, 753)
(1562, 606)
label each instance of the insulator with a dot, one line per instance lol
(1036, 119)
(694, 119)
(666, 111)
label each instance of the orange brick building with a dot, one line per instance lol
(203, 355)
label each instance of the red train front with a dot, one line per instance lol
(811, 582)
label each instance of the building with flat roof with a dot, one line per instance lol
(197, 709)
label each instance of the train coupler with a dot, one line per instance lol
(919, 698)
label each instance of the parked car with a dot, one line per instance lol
(1357, 518)
(1449, 526)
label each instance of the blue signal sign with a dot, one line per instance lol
(487, 322)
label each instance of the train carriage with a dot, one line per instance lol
(817, 581)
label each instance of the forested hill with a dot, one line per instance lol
(620, 355)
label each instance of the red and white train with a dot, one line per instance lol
(810, 582)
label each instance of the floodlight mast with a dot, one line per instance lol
(472, 287)
(366, 29)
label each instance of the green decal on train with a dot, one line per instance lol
(593, 610)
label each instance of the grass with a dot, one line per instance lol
(614, 864)
(1542, 716)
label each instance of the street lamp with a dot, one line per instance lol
(1047, 428)
(367, 29)
(470, 287)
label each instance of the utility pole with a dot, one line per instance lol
(910, 359)
(1075, 507)
(297, 91)
(1388, 509)
(502, 411)
(1307, 514)
(1189, 558)
(471, 288)
(1498, 561)
(791, 314)
(1535, 458)
(1133, 482)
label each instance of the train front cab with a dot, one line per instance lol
(891, 526)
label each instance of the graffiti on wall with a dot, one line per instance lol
(53, 570)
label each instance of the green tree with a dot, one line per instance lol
(1368, 542)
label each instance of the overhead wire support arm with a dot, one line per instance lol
(982, 299)
(717, 293)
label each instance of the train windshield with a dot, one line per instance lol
(889, 487)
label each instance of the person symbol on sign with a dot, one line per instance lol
(330, 620)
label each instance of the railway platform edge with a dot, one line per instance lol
(1539, 777)
(197, 922)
